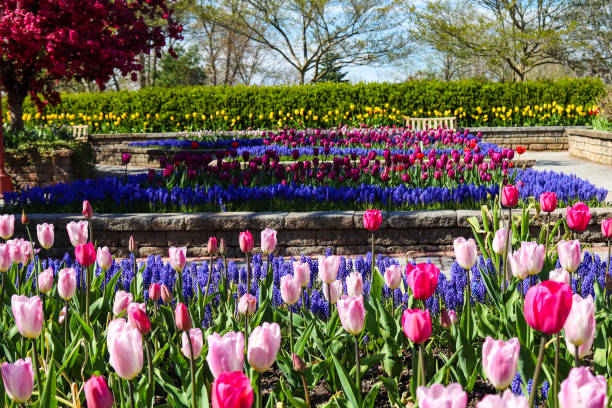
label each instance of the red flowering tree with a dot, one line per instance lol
(46, 41)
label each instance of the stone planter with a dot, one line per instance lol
(32, 168)
(590, 144)
(534, 138)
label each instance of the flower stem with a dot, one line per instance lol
(305, 390)
(36, 370)
(556, 381)
(151, 388)
(248, 274)
(210, 272)
(508, 245)
(357, 365)
(290, 330)
(131, 391)
(259, 396)
(66, 324)
(547, 234)
(422, 365)
(192, 365)
(329, 300)
(88, 279)
(246, 329)
(536, 374)
(372, 268)
(577, 357)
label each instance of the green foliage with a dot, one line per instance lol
(182, 71)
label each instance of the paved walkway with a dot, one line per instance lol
(598, 174)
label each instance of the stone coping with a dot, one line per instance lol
(593, 133)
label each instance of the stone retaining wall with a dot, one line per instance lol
(535, 138)
(298, 233)
(592, 145)
(31, 168)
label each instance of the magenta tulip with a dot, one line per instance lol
(507, 400)
(352, 313)
(28, 315)
(211, 247)
(559, 275)
(448, 318)
(465, 252)
(580, 325)
(569, 254)
(422, 279)
(268, 241)
(578, 216)
(45, 233)
(328, 268)
(182, 318)
(500, 361)
(66, 283)
(247, 304)
(332, 291)
(155, 291)
(606, 228)
(104, 258)
(225, 353)
(7, 226)
(124, 343)
(509, 196)
(548, 202)
(122, 300)
(125, 158)
(87, 210)
(438, 396)
(138, 318)
(246, 242)
(232, 390)
(581, 389)
(417, 325)
(354, 284)
(301, 270)
(393, 276)
(45, 281)
(290, 289)
(85, 254)
(97, 393)
(372, 220)
(178, 258)
(196, 343)
(264, 343)
(18, 379)
(78, 232)
(547, 306)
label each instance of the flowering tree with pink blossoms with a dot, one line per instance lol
(46, 41)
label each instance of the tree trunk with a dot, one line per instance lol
(142, 73)
(15, 108)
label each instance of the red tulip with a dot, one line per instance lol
(232, 390)
(520, 150)
(87, 210)
(422, 279)
(182, 318)
(417, 325)
(547, 306)
(372, 220)
(509, 196)
(578, 216)
(85, 254)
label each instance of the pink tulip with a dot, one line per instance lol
(559, 275)
(354, 284)
(132, 245)
(155, 292)
(138, 318)
(124, 344)
(45, 234)
(507, 400)
(225, 354)
(569, 254)
(438, 396)
(87, 210)
(20, 250)
(448, 318)
(45, 281)
(578, 216)
(499, 241)
(417, 325)
(372, 220)
(28, 315)
(85, 254)
(196, 343)
(422, 279)
(465, 252)
(78, 232)
(62, 315)
(301, 270)
(211, 247)
(246, 242)
(581, 389)
(264, 343)
(500, 361)
(509, 196)
(232, 390)
(104, 258)
(268, 241)
(548, 202)
(247, 304)
(166, 294)
(66, 283)
(222, 247)
(393, 276)
(547, 306)
(328, 268)
(7, 226)
(5, 257)
(332, 291)
(290, 289)
(352, 313)
(178, 258)
(122, 300)
(97, 393)
(580, 324)
(527, 260)
(18, 379)
(182, 318)
(606, 228)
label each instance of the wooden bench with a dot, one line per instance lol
(80, 132)
(432, 123)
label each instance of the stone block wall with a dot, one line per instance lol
(535, 138)
(592, 145)
(31, 168)
(298, 233)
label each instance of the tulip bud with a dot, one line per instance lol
(122, 300)
(354, 284)
(225, 353)
(97, 393)
(166, 295)
(268, 241)
(247, 304)
(606, 228)
(212, 246)
(372, 220)
(45, 281)
(222, 248)
(448, 318)
(196, 343)
(417, 325)
(46, 235)
(182, 318)
(298, 363)
(66, 283)
(7, 226)
(509, 196)
(104, 258)
(245, 239)
(393, 276)
(264, 343)
(138, 318)
(352, 313)
(548, 202)
(28, 315)
(500, 361)
(155, 292)
(24, 218)
(422, 279)
(578, 216)
(87, 210)
(178, 258)
(132, 245)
